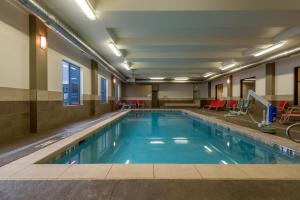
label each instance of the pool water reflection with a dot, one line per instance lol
(169, 137)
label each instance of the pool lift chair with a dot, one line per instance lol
(268, 117)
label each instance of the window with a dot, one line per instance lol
(103, 89)
(71, 83)
(117, 92)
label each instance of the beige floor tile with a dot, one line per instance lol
(40, 171)
(86, 171)
(260, 171)
(221, 172)
(131, 171)
(292, 169)
(10, 169)
(165, 171)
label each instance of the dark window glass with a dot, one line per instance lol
(103, 89)
(71, 84)
(117, 92)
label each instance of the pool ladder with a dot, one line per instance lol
(287, 132)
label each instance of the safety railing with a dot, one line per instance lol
(288, 129)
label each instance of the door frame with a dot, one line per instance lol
(216, 91)
(241, 85)
(296, 80)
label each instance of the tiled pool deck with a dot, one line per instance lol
(26, 168)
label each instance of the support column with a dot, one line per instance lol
(38, 71)
(270, 81)
(209, 89)
(113, 88)
(95, 85)
(229, 86)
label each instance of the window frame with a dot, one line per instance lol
(80, 87)
(117, 92)
(106, 89)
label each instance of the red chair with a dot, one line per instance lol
(220, 104)
(212, 104)
(292, 112)
(232, 104)
(281, 106)
(132, 103)
(141, 103)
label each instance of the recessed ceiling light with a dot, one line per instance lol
(87, 8)
(271, 48)
(208, 74)
(157, 78)
(228, 66)
(181, 78)
(126, 65)
(115, 49)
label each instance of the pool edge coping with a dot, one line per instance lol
(20, 169)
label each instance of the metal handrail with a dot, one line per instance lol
(287, 132)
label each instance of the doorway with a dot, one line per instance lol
(219, 91)
(155, 100)
(297, 86)
(246, 85)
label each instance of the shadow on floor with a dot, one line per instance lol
(150, 189)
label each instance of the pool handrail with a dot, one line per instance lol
(287, 132)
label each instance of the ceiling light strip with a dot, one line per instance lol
(126, 65)
(157, 78)
(254, 64)
(51, 21)
(208, 74)
(181, 78)
(166, 81)
(87, 8)
(272, 48)
(114, 49)
(228, 66)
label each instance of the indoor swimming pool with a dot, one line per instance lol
(169, 137)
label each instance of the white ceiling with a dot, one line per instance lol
(182, 38)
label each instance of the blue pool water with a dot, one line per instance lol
(169, 137)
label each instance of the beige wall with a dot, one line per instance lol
(14, 47)
(16, 116)
(258, 72)
(175, 91)
(284, 79)
(136, 92)
(217, 82)
(203, 90)
(284, 75)
(59, 50)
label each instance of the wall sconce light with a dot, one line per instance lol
(43, 42)
(114, 80)
(228, 81)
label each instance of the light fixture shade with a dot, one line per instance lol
(43, 42)
(181, 78)
(228, 66)
(208, 74)
(115, 49)
(271, 48)
(157, 78)
(126, 65)
(86, 8)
